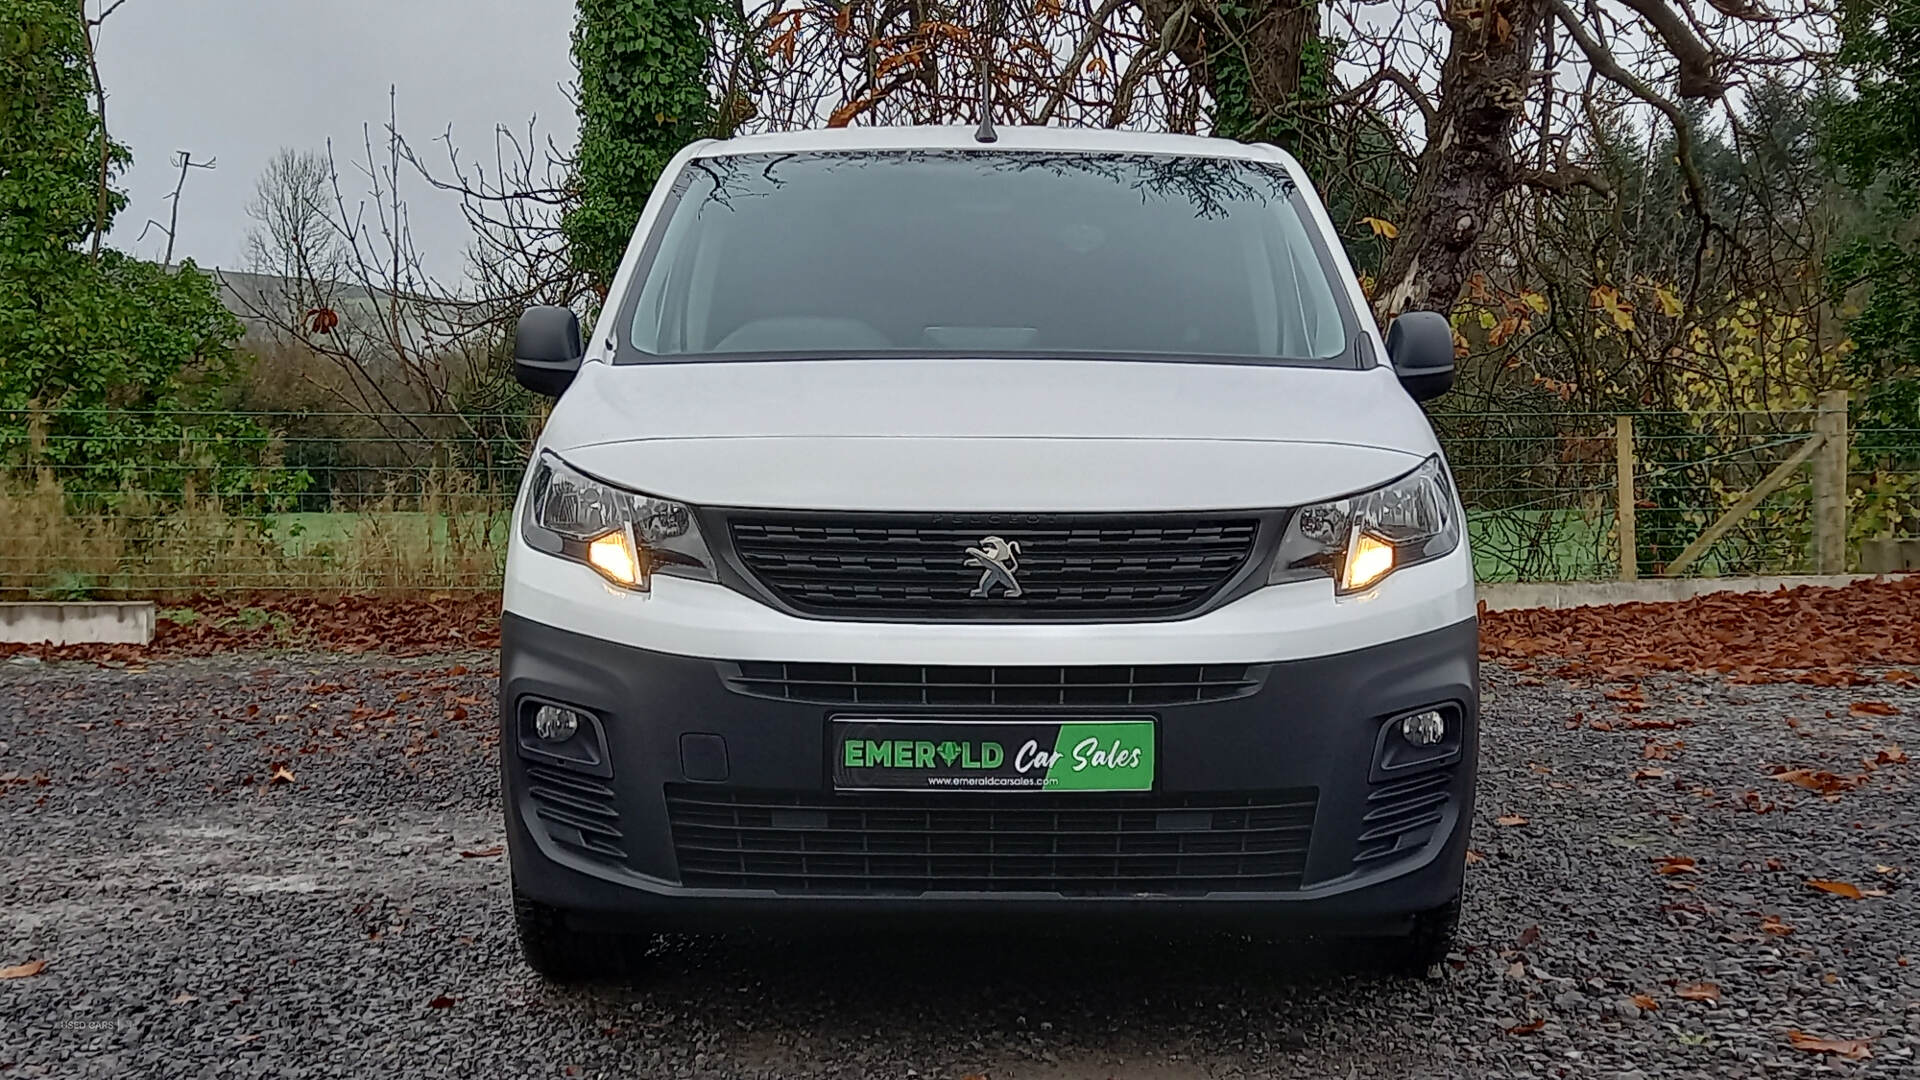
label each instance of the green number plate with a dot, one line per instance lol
(992, 755)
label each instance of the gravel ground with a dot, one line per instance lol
(198, 917)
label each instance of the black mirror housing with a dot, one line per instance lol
(1420, 347)
(547, 349)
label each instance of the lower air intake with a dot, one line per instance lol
(873, 843)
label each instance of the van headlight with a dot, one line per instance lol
(624, 535)
(1359, 540)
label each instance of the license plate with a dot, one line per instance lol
(883, 754)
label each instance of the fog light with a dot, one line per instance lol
(555, 724)
(1424, 728)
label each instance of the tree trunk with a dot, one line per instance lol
(1468, 162)
(1253, 65)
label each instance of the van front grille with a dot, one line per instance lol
(1087, 567)
(924, 684)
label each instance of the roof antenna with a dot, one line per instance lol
(986, 134)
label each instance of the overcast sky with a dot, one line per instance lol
(234, 80)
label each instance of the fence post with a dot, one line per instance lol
(1830, 485)
(1623, 482)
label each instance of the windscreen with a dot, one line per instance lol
(979, 253)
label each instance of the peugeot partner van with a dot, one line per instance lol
(1036, 527)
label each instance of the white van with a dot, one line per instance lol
(1036, 527)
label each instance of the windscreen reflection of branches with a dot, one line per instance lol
(1209, 185)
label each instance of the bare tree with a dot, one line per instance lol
(293, 235)
(415, 356)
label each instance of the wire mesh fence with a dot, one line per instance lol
(126, 503)
(1542, 490)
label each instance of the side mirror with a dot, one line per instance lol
(547, 350)
(1420, 347)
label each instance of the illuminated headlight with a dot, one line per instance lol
(626, 536)
(1359, 540)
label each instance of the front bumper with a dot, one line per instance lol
(597, 835)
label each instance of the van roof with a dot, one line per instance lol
(957, 137)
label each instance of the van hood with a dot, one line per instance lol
(989, 435)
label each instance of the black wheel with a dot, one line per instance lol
(567, 954)
(1431, 939)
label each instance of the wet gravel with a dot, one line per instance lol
(198, 917)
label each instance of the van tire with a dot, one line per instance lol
(563, 953)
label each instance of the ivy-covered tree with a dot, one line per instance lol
(1263, 64)
(102, 356)
(1874, 138)
(643, 96)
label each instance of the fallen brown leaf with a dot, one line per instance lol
(441, 1001)
(1655, 750)
(281, 775)
(1771, 924)
(1645, 1002)
(1837, 888)
(1705, 991)
(1872, 708)
(1675, 864)
(1528, 936)
(1528, 1028)
(1474, 857)
(1851, 1049)
(1891, 755)
(483, 853)
(1649, 774)
(21, 971)
(1824, 782)
(1509, 819)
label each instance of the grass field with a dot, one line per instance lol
(315, 531)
